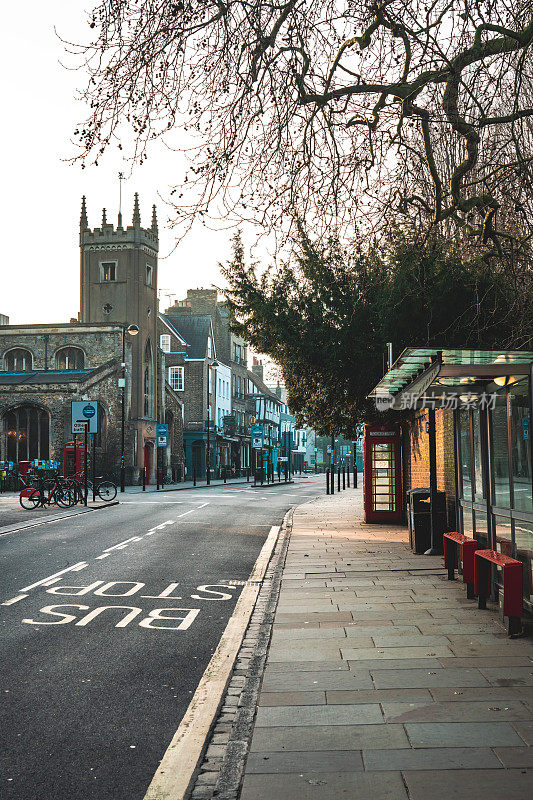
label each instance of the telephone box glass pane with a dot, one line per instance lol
(383, 477)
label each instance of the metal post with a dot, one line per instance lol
(144, 479)
(225, 474)
(338, 479)
(434, 549)
(343, 478)
(194, 476)
(355, 475)
(327, 481)
(94, 468)
(85, 463)
(348, 474)
(123, 414)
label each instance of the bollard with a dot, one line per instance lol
(327, 481)
(348, 477)
(144, 479)
(355, 476)
(338, 479)
(343, 478)
(225, 473)
(194, 476)
(332, 490)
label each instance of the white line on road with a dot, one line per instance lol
(151, 502)
(14, 600)
(122, 545)
(75, 568)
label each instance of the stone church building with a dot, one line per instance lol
(44, 367)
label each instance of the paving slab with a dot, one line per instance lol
(492, 694)
(469, 711)
(324, 786)
(316, 761)
(421, 678)
(491, 784)
(306, 666)
(431, 759)
(358, 714)
(311, 681)
(525, 729)
(400, 663)
(485, 661)
(515, 757)
(340, 696)
(333, 737)
(352, 653)
(508, 676)
(293, 698)
(462, 734)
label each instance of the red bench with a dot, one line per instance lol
(452, 542)
(512, 585)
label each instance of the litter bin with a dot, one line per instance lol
(419, 518)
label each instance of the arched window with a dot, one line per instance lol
(25, 430)
(18, 360)
(148, 380)
(70, 358)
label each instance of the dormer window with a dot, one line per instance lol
(108, 271)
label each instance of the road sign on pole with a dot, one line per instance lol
(257, 437)
(162, 435)
(84, 416)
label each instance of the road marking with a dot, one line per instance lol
(104, 555)
(178, 765)
(122, 545)
(192, 510)
(75, 568)
(14, 600)
(152, 502)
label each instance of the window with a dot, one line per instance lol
(18, 360)
(70, 358)
(175, 378)
(25, 433)
(209, 347)
(521, 447)
(164, 342)
(149, 274)
(234, 382)
(108, 271)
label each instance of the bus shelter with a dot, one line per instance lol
(489, 394)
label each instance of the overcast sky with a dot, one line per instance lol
(41, 192)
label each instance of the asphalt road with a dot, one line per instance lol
(99, 662)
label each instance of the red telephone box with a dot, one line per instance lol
(73, 458)
(382, 480)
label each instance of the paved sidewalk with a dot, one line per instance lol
(383, 682)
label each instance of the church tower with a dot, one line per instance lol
(118, 282)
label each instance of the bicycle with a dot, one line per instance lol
(32, 498)
(105, 489)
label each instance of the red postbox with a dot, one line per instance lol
(73, 458)
(382, 480)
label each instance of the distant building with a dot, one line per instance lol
(44, 367)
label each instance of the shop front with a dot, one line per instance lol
(489, 394)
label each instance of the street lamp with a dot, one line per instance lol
(133, 330)
(215, 364)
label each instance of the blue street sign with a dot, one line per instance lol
(162, 435)
(84, 415)
(525, 427)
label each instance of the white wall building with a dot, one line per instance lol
(222, 394)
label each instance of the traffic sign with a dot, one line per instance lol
(257, 442)
(84, 415)
(162, 435)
